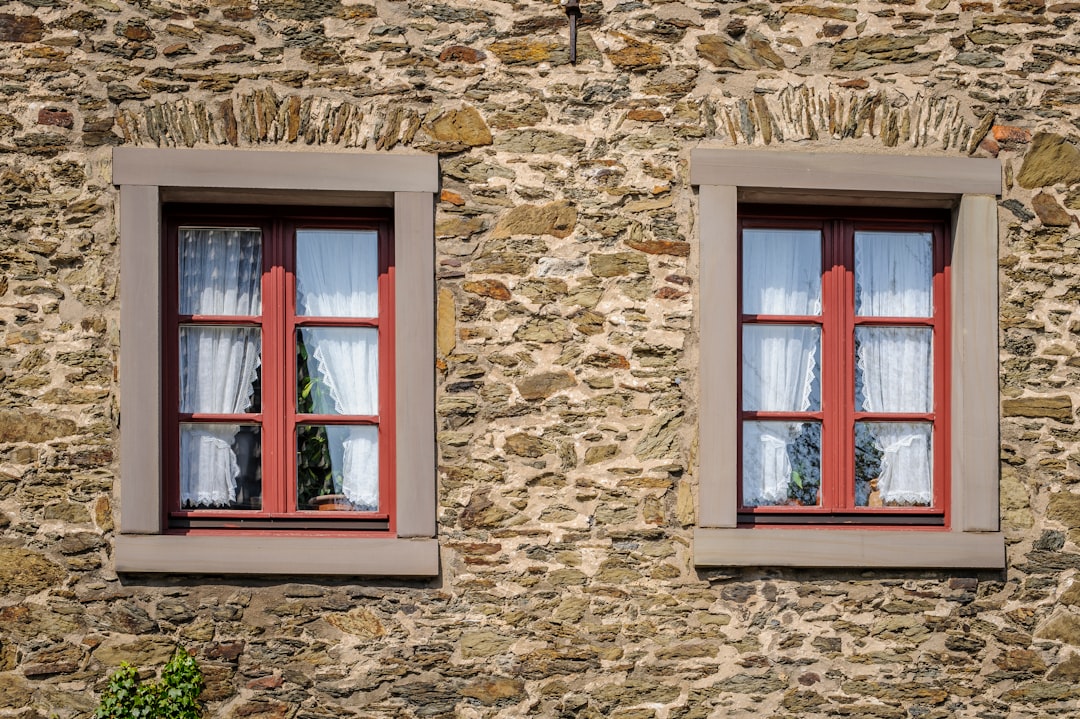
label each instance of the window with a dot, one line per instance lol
(266, 394)
(281, 350)
(843, 422)
(843, 374)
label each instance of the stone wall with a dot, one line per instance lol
(566, 400)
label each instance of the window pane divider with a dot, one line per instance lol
(220, 320)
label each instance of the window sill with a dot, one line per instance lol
(178, 554)
(860, 548)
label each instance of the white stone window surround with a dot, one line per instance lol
(969, 187)
(146, 178)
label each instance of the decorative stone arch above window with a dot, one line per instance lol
(966, 186)
(147, 178)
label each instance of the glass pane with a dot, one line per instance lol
(219, 369)
(337, 467)
(781, 272)
(781, 464)
(220, 466)
(894, 369)
(894, 274)
(780, 368)
(337, 273)
(337, 370)
(220, 271)
(894, 464)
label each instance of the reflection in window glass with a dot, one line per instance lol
(781, 272)
(894, 464)
(338, 370)
(337, 467)
(220, 466)
(780, 365)
(894, 274)
(220, 271)
(337, 273)
(894, 369)
(781, 463)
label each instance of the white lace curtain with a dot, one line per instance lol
(337, 276)
(781, 276)
(893, 279)
(220, 271)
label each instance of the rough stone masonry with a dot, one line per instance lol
(566, 400)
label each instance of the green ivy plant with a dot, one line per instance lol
(174, 696)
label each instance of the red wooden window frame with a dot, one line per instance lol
(279, 416)
(838, 321)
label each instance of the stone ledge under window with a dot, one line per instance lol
(782, 547)
(219, 554)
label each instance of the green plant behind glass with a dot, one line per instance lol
(804, 453)
(314, 470)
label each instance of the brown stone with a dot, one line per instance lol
(510, 263)
(670, 293)
(600, 453)
(20, 28)
(1021, 660)
(359, 622)
(260, 710)
(726, 53)
(483, 644)
(1071, 596)
(645, 115)
(494, 690)
(637, 56)
(487, 288)
(446, 322)
(545, 384)
(544, 329)
(830, 12)
(1067, 671)
(458, 226)
(461, 128)
(55, 116)
(1062, 627)
(148, 651)
(524, 52)
(460, 53)
(452, 197)
(617, 264)
(1009, 134)
(481, 512)
(527, 445)
(1050, 160)
(33, 427)
(14, 693)
(1058, 407)
(26, 572)
(1064, 507)
(1049, 211)
(661, 247)
(103, 514)
(228, 49)
(555, 218)
(610, 360)
(870, 51)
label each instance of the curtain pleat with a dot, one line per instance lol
(337, 275)
(893, 279)
(781, 276)
(220, 271)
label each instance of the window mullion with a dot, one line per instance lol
(846, 244)
(838, 451)
(274, 352)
